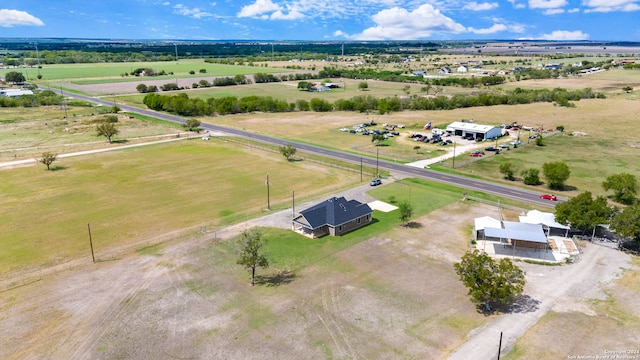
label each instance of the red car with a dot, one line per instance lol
(475, 154)
(548, 197)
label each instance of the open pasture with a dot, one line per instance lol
(100, 72)
(610, 82)
(28, 132)
(348, 297)
(141, 193)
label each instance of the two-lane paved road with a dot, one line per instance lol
(457, 180)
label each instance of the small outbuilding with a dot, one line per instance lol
(15, 92)
(335, 216)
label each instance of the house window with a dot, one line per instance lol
(340, 228)
(368, 217)
(359, 220)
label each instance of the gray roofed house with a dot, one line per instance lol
(335, 216)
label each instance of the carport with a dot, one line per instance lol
(519, 236)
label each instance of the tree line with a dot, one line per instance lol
(181, 104)
(402, 76)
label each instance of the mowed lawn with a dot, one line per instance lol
(144, 193)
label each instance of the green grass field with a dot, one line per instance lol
(143, 193)
(113, 72)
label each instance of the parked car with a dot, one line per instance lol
(448, 141)
(548, 197)
(491, 148)
(475, 154)
(504, 146)
(375, 182)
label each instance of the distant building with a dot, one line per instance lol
(15, 92)
(462, 69)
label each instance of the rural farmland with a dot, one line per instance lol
(132, 252)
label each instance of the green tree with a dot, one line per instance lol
(583, 212)
(556, 174)
(111, 119)
(251, 256)
(363, 85)
(48, 158)
(406, 211)
(107, 129)
(288, 151)
(304, 85)
(192, 125)
(627, 222)
(530, 176)
(627, 89)
(320, 105)
(142, 88)
(377, 138)
(539, 141)
(508, 170)
(624, 186)
(490, 283)
(14, 77)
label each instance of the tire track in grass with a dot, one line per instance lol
(116, 314)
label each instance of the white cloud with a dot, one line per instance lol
(260, 7)
(292, 15)
(340, 33)
(474, 6)
(613, 5)
(517, 5)
(499, 26)
(574, 10)
(564, 35)
(398, 23)
(11, 18)
(492, 30)
(193, 12)
(547, 4)
(553, 11)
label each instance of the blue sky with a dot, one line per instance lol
(323, 19)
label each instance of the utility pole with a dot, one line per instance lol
(271, 51)
(500, 345)
(361, 169)
(176, 46)
(454, 155)
(377, 155)
(65, 102)
(293, 203)
(268, 200)
(91, 243)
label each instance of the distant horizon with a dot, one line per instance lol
(171, 41)
(325, 20)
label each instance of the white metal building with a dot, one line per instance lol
(478, 131)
